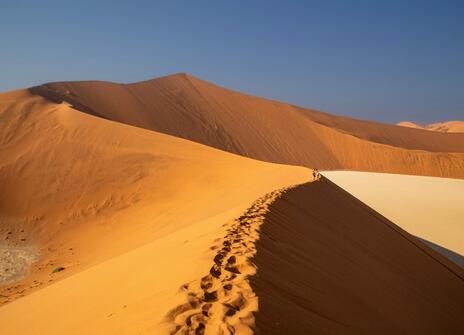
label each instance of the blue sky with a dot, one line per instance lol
(382, 60)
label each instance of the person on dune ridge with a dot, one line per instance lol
(316, 175)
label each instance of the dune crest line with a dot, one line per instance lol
(223, 302)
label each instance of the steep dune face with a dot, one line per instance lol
(187, 107)
(427, 207)
(80, 189)
(446, 127)
(328, 264)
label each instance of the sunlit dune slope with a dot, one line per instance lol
(427, 207)
(447, 127)
(81, 189)
(328, 264)
(184, 106)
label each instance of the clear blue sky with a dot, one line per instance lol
(383, 60)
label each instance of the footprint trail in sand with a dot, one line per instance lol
(223, 302)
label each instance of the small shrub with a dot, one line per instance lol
(58, 269)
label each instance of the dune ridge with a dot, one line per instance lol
(222, 302)
(187, 107)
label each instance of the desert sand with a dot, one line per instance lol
(187, 107)
(446, 127)
(109, 224)
(129, 213)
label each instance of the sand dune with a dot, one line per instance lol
(187, 107)
(328, 264)
(427, 207)
(446, 127)
(116, 227)
(82, 189)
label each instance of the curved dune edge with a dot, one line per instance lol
(223, 302)
(328, 264)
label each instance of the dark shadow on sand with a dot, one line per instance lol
(329, 264)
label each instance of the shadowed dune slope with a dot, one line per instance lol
(187, 107)
(81, 189)
(328, 264)
(427, 207)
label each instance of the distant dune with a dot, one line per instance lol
(446, 127)
(187, 107)
(427, 207)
